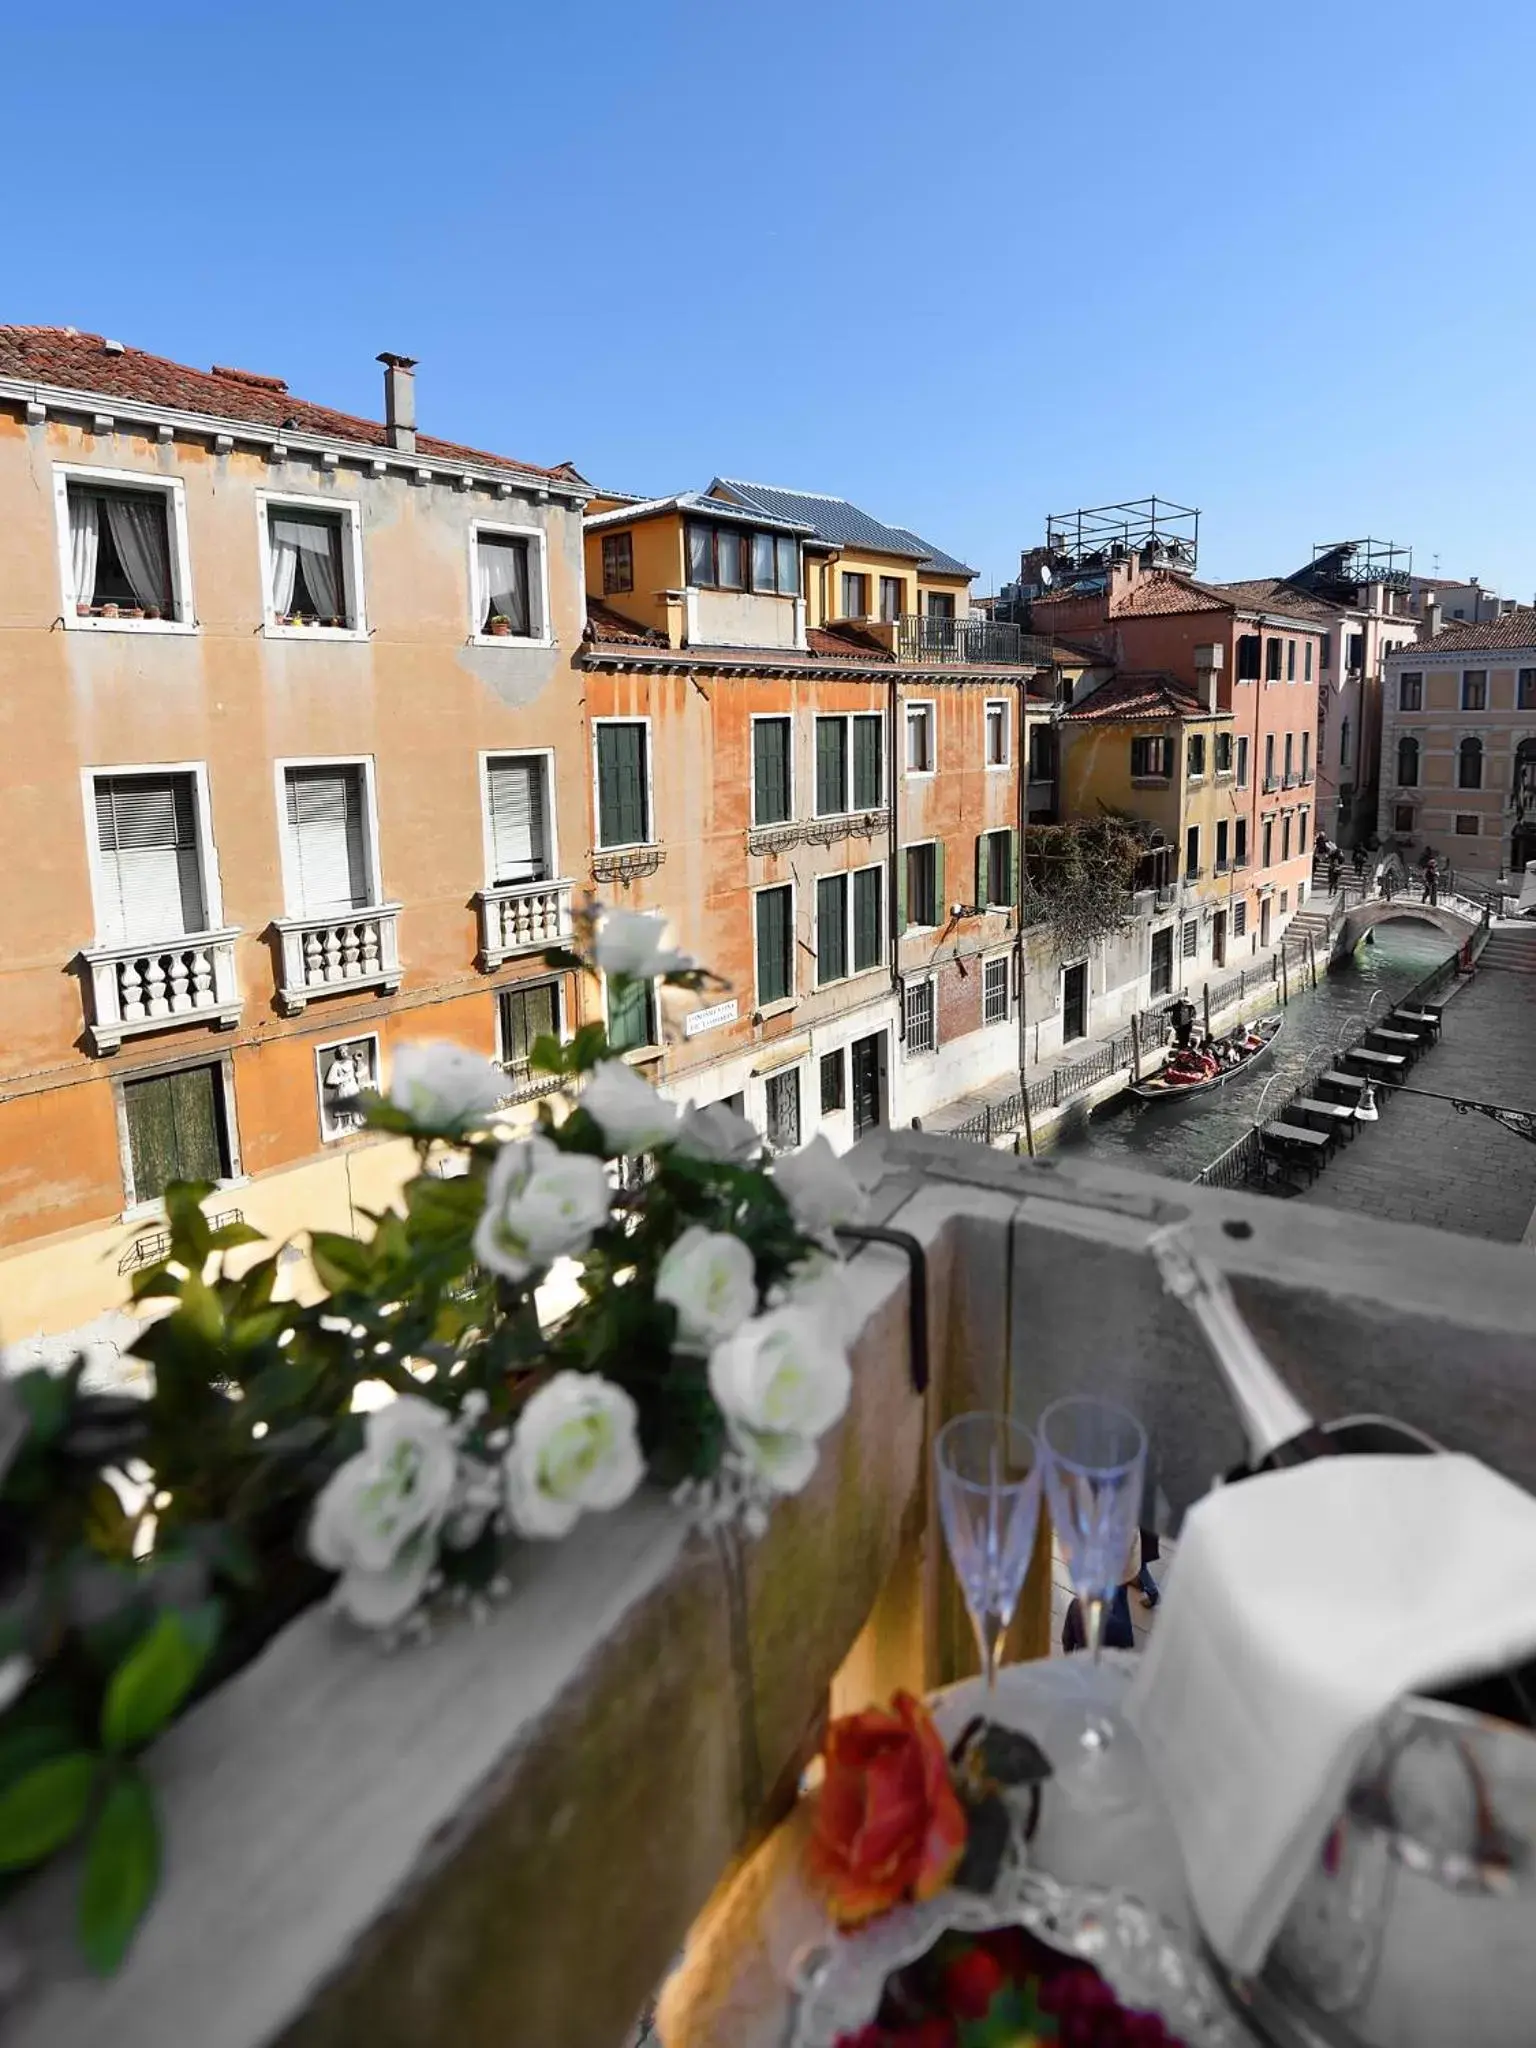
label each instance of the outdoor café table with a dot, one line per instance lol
(734, 1993)
(1388, 1062)
(1410, 1038)
(1420, 1020)
(1341, 1118)
(1334, 1079)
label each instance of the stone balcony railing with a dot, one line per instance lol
(522, 917)
(134, 989)
(504, 1835)
(336, 955)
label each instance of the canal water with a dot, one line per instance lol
(1179, 1139)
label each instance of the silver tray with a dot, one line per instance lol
(838, 1984)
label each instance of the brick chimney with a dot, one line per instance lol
(400, 400)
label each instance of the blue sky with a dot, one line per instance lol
(965, 263)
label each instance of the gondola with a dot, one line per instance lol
(1164, 1087)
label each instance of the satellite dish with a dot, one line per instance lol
(1046, 578)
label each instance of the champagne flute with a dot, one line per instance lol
(1094, 1456)
(988, 1469)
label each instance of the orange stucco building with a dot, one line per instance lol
(825, 802)
(289, 714)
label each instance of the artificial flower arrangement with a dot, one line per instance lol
(897, 1820)
(391, 1440)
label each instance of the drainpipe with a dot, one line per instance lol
(1020, 958)
(893, 899)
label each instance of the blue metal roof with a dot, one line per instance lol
(841, 523)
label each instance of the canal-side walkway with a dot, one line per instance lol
(1427, 1163)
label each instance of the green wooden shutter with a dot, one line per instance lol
(1014, 878)
(903, 865)
(867, 884)
(770, 770)
(940, 898)
(867, 733)
(621, 819)
(831, 928)
(173, 1130)
(773, 962)
(831, 766)
(983, 841)
(629, 1014)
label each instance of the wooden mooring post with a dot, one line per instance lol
(1135, 1047)
(1205, 1004)
(1285, 974)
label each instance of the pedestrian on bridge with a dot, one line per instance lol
(1359, 860)
(1335, 870)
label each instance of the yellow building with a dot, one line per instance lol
(1147, 747)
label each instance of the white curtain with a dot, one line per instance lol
(285, 563)
(502, 568)
(314, 544)
(84, 543)
(138, 534)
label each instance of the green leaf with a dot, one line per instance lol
(201, 1314)
(157, 1674)
(380, 1115)
(344, 1264)
(45, 1396)
(547, 1055)
(150, 1281)
(108, 1529)
(444, 1208)
(562, 957)
(43, 1809)
(191, 1239)
(228, 1235)
(587, 1047)
(122, 1871)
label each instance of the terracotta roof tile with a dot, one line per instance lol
(82, 362)
(1274, 594)
(608, 628)
(1514, 629)
(1163, 592)
(845, 643)
(1146, 694)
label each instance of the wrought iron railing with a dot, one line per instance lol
(929, 641)
(155, 1245)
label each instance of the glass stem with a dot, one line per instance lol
(1095, 1624)
(986, 1643)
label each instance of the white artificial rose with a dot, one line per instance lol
(709, 1277)
(629, 942)
(717, 1135)
(442, 1085)
(820, 1190)
(15, 1677)
(630, 1114)
(541, 1204)
(781, 1382)
(377, 1517)
(575, 1448)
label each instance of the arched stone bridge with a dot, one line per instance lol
(1456, 924)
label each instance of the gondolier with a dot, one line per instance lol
(1181, 1015)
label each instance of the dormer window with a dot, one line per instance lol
(732, 558)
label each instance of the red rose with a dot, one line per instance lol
(889, 1826)
(971, 1982)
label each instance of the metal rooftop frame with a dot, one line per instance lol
(1105, 531)
(1359, 562)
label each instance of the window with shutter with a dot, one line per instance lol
(176, 1130)
(831, 928)
(328, 861)
(999, 876)
(831, 766)
(868, 918)
(528, 1013)
(922, 885)
(519, 814)
(151, 865)
(775, 966)
(631, 1015)
(771, 739)
(868, 762)
(623, 812)
(834, 1090)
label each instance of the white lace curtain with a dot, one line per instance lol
(136, 523)
(502, 566)
(315, 541)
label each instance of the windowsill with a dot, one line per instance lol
(76, 624)
(1150, 781)
(998, 767)
(1223, 774)
(637, 1056)
(1196, 780)
(272, 631)
(139, 1213)
(632, 846)
(920, 774)
(541, 642)
(765, 1012)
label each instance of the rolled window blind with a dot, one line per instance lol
(151, 873)
(325, 835)
(519, 840)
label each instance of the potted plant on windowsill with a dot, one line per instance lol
(337, 625)
(498, 627)
(132, 611)
(152, 611)
(107, 611)
(83, 610)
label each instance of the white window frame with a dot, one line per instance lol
(350, 512)
(880, 966)
(502, 529)
(931, 983)
(768, 825)
(207, 855)
(924, 707)
(135, 1210)
(778, 1003)
(989, 961)
(629, 845)
(290, 866)
(322, 1051)
(997, 704)
(174, 490)
(851, 808)
(487, 836)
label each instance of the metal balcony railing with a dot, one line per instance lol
(927, 641)
(522, 917)
(324, 956)
(134, 989)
